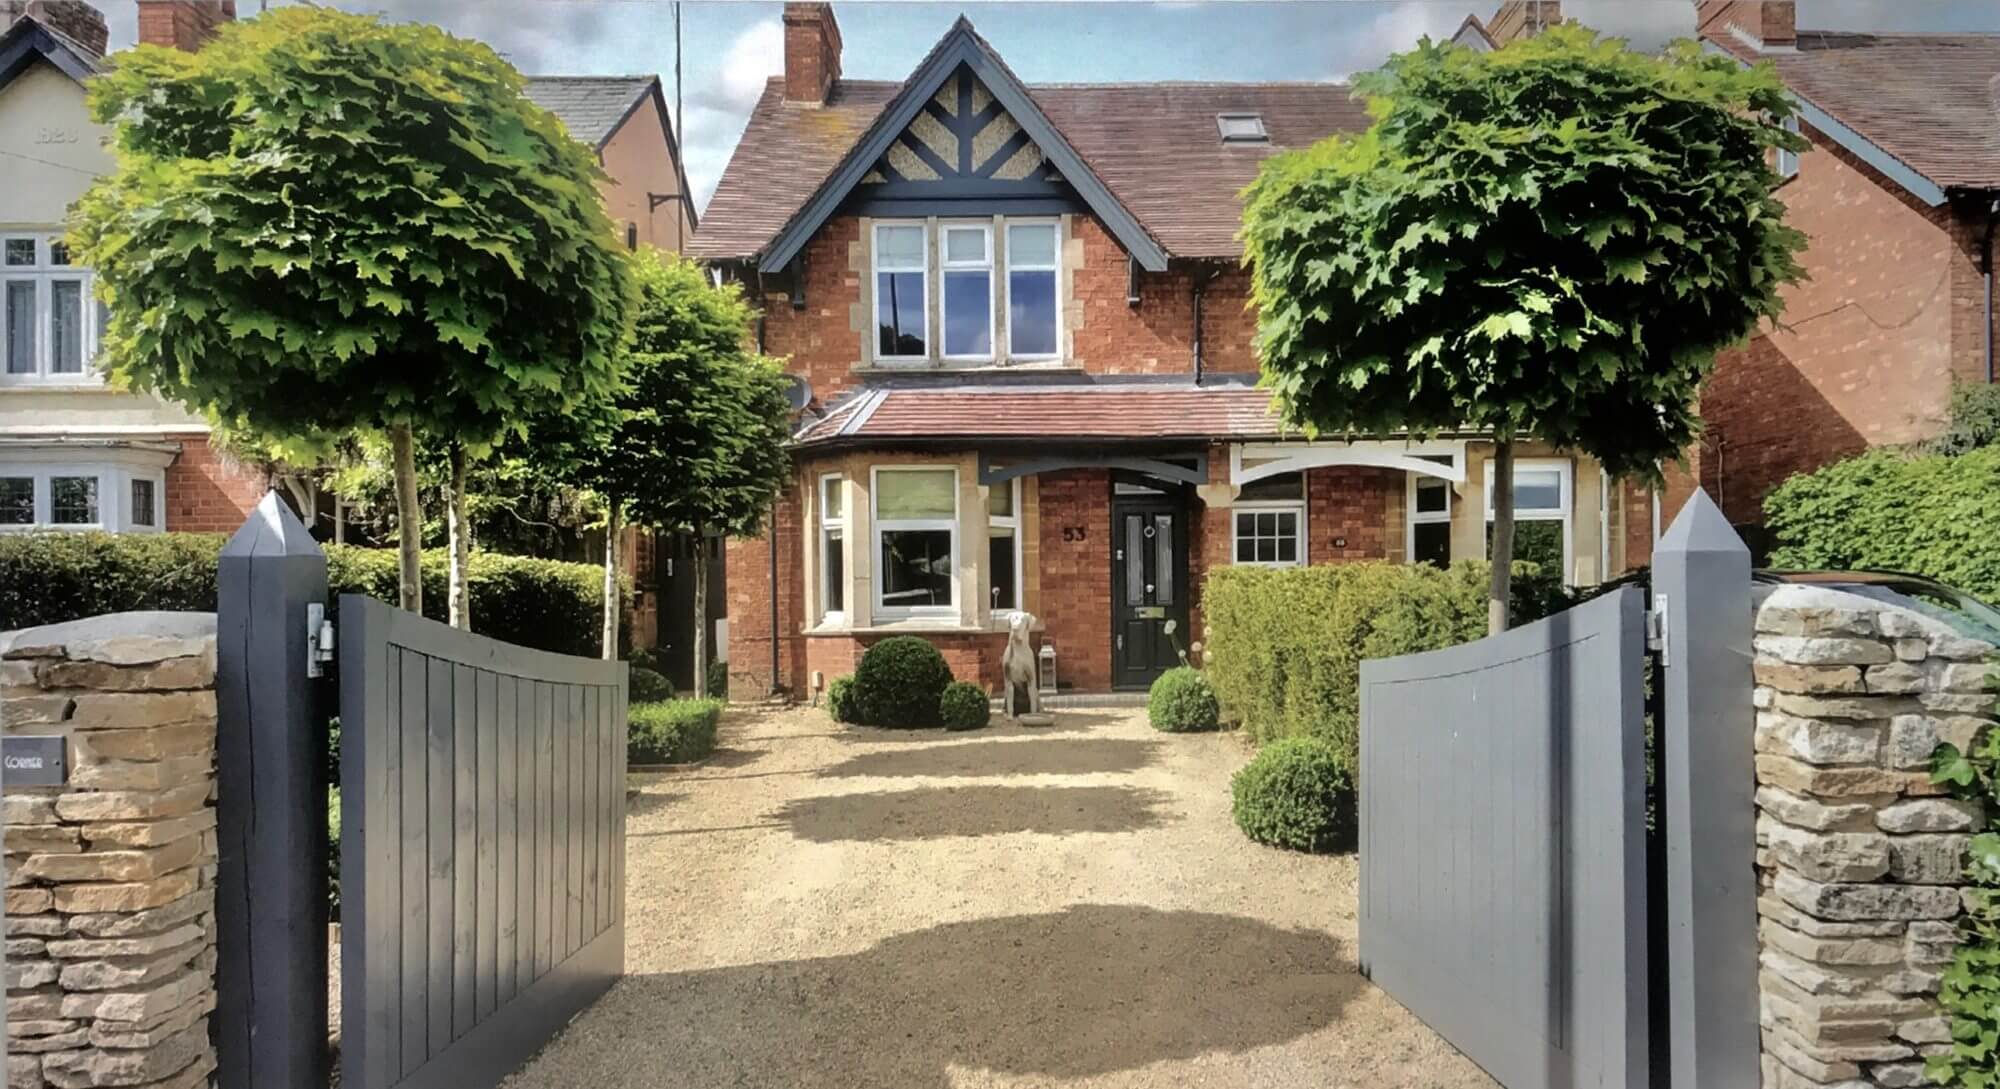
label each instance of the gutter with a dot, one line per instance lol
(1986, 268)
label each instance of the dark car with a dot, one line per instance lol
(1962, 612)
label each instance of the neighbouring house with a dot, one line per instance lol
(75, 453)
(1899, 197)
(1017, 317)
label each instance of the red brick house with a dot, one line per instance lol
(1899, 196)
(1018, 315)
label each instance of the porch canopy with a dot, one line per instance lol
(1154, 428)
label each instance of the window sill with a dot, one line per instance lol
(22, 384)
(922, 625)
(1049, 366)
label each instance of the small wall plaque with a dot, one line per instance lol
(34, 761)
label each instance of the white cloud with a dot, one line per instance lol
(717, 109)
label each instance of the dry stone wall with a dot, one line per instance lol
(1859, 857)
(110, 892)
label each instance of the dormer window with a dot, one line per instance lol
(1241, 128)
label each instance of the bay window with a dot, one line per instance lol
(902, 292)
(1031, 290)
(116, 496)
(832, 549)
(968, 292)
(916, 542)
(1003, 546)
(1542, 491)
(1269, 520)
(46, 331)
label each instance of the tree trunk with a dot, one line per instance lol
(1497, 598)
(409, 519)
(700, 615)
(339, 520)
(609, 647)
(460, 594)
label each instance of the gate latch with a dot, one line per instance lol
(1656, 627)
(319, 640)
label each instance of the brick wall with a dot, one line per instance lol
(111, 879)
(208, 491)
(1076, 576)
(972, 656)
(748, 561)
(1858, 857)
(182, 24)
(1874, 340)
(1360, 508)
(823, 341)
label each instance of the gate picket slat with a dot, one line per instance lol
(573, 898)
(465, 847)
(442, 841)
(591, 726)
(507, 925)
(414, 921)
(486, 812)
(545, 825)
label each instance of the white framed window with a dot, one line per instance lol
(1542, 501)
(1268, 522)
(966, 256)
(1034, 313)
(1428, 502)
(902, 292)
(916, 541)
(50, 323)
(52, 495)
(832, 549)
(1003, 547)
(1788, 161)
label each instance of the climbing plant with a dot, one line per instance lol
(1971, 988)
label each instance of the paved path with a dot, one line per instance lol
(834, 908)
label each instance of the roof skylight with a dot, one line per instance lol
(1241, 128)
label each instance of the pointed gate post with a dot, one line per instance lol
(270, 901)
(1701, 588)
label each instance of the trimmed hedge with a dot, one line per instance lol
(671, 731)
(841, 702)
(1927, 514)
(48, 578)
(899, 681)
(1296, 793)
(1182, 700)
(964, 706)
(1285, 645)
(647, 686)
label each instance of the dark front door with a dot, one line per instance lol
(1148, 587)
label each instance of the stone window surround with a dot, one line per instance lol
(1412, 517)
(1566, 512)
(43, 273)
(971, 612)
(1067, 318)
(114, 468)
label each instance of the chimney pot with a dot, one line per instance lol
(182, 24)
(73, 19)
(812, 52)
(1768, 23)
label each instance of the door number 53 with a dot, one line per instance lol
(1075, 533)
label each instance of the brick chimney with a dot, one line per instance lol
(182, 24)
(1767, 23)
(812, 52)
(73, 19)
(1519, 19)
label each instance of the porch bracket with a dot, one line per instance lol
(1369, 455)
(990, 474)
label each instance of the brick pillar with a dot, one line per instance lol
(1209, 536)
(1858, 857)
(111, 878)
(750, 592)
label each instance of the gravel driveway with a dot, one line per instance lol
(823, 906)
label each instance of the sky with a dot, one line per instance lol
(729, 49)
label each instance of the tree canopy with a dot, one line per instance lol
(1550, 240)
(700, 444)
(321, 223)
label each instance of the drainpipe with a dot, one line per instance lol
(1199, 284)
(1986, 261)
(773, 546)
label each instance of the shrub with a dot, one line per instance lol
(899, 681)
(718, 680)
(646, 686)
(964, 706)
(1182, 700)
(1296, 793)
(1971, 989)
(47, 578)
(1285, 645)
(1974, 420)
(671, 731)
(1928, 514)
(841, 702)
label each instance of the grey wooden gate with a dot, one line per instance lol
(1503, 849)
(482, 852)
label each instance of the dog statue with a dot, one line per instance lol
(1019, 666)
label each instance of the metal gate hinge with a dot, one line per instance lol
(1656, 627)
(319, 640)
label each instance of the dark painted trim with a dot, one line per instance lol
(950, 206)
(961, 46)
(966, 188)
(1152, 467)
(29, 41)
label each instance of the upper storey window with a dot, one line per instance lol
(999, 291)
(902, 292)
(46, 329)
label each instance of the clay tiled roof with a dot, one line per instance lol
(1108, 413)
(1155, 145)
(1930, 100)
